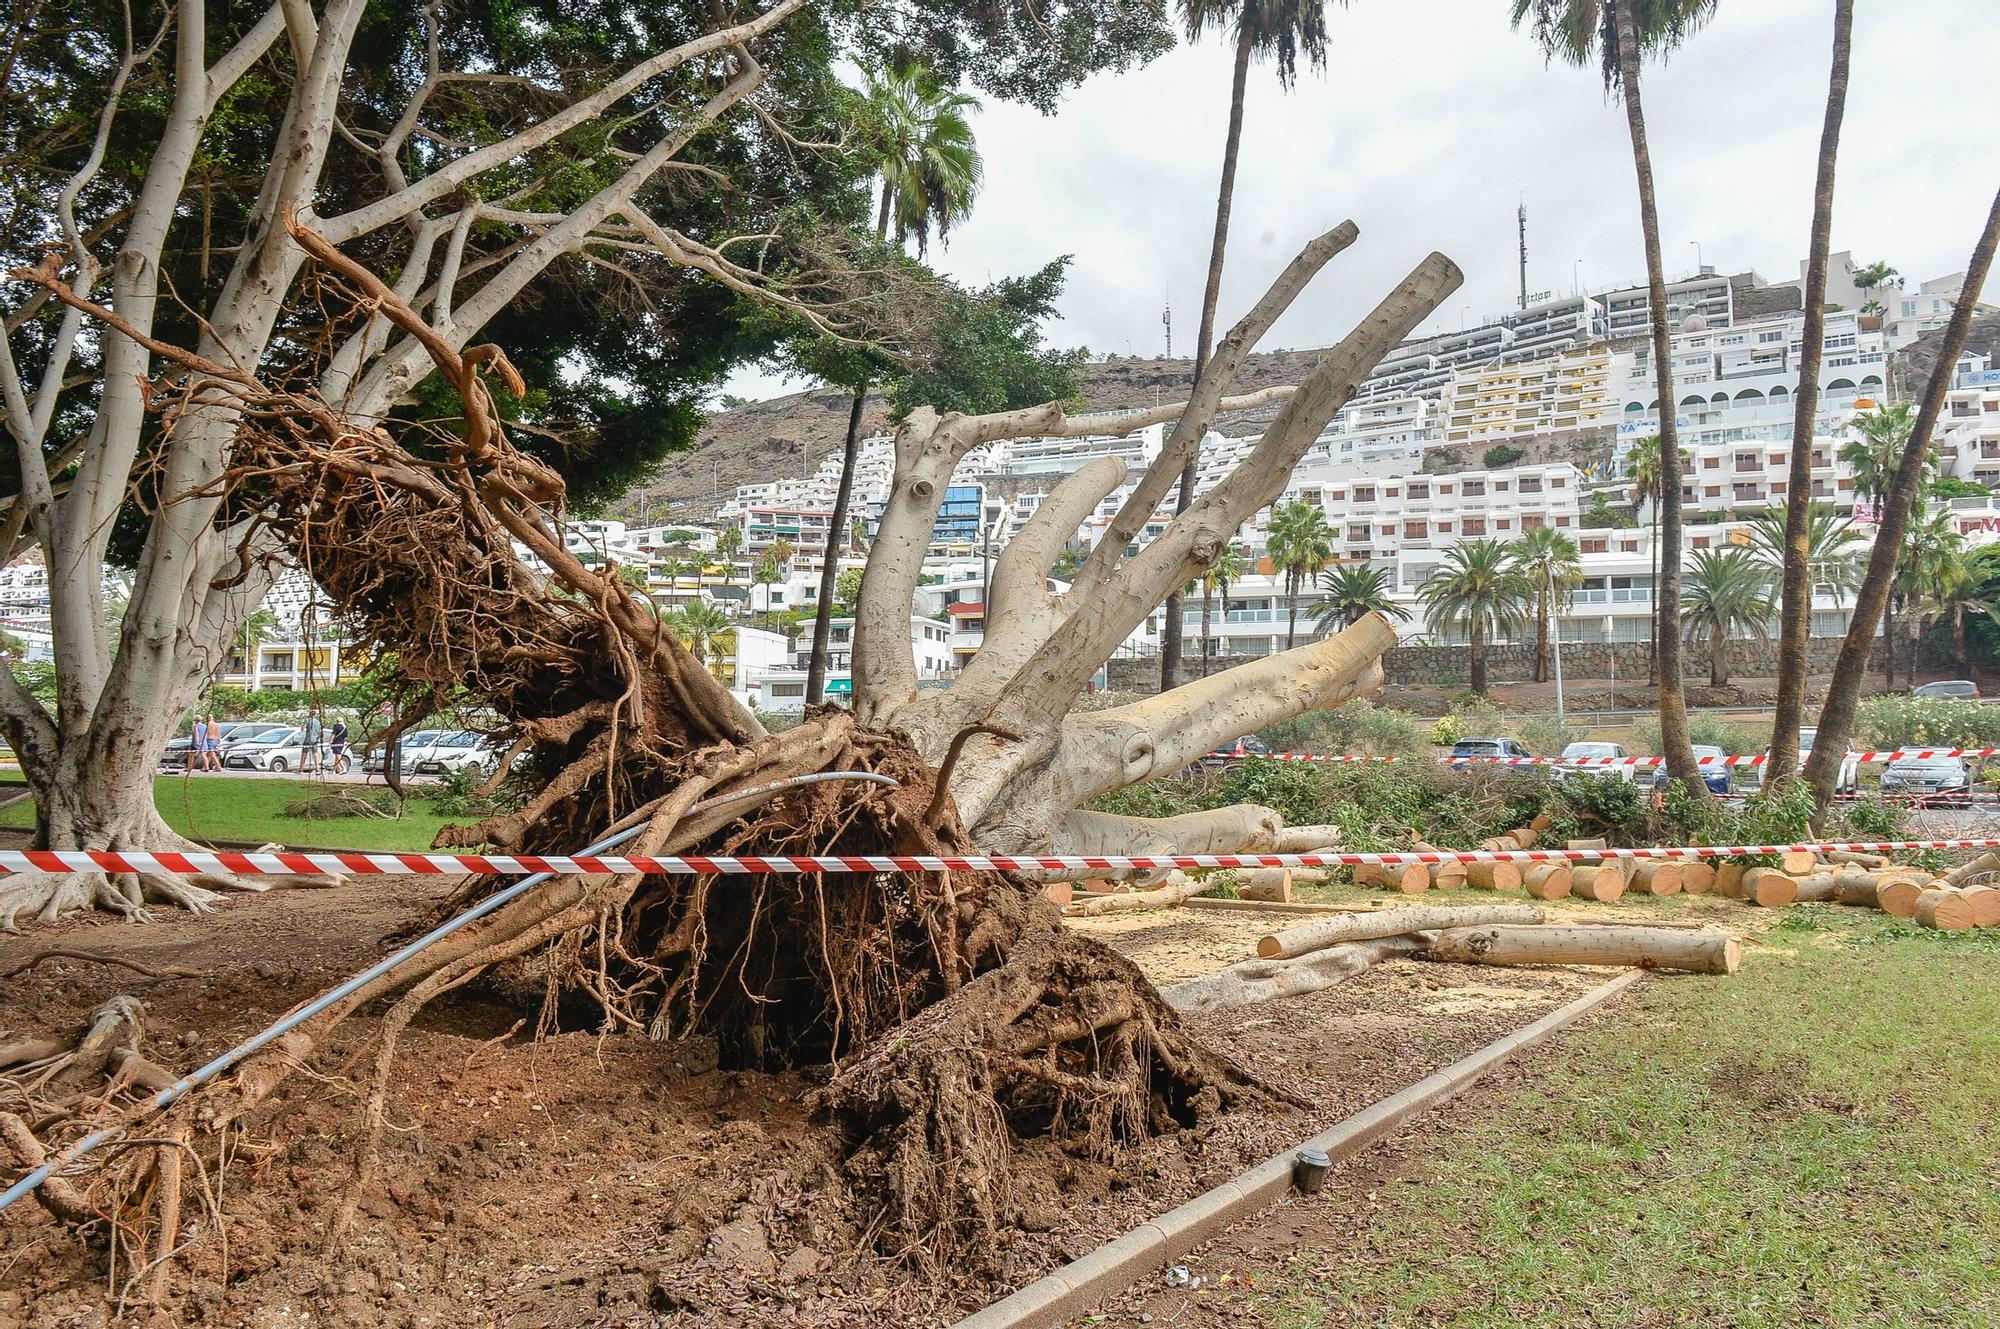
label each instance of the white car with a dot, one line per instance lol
(277, 749)
(1589, 759)
(452, 750)
(1849, 779)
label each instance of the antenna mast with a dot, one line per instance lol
(1167, 320)
(1521, 215)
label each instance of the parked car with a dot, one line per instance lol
(1247, 746)
(1713, 773)
(175, 757)
(411, 745)
(454, 750)
(1957, 689)
(1590, 759)
(1927, 775)
(280, 749)
(1848, 781)
(1489, 748)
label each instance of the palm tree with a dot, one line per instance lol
(1226, 567)
(771, 570)
(1929, 548)
(1282, 30)
(1643, 461)
(1729, 591)
(1354, 591)
(1959, 584)
(1615, 35)
(727, 544)
(1300, 544)
(1876, 276)
(1477, 589)
(1830, 548)
(698, 624)
(1876, 447)
(918, 140)
(1553, 566)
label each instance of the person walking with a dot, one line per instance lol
(309, 756)
(337, 741)
(197, 742)
(211, 752)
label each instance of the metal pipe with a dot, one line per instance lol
(194, 1079)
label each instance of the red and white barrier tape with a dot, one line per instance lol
(1583, 763)
(349, 863)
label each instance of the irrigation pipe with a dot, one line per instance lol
(194, 1079)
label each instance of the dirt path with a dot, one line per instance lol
(586, 1180)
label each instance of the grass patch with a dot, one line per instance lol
(207, 808)
(1810, 1142)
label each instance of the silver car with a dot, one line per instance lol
(1927, 775)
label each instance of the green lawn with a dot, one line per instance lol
(207, 808)
(1815, 1141)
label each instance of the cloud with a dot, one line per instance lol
(1432, 121)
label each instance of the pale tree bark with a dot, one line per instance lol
(197, 576)
(1836, 721)
(1674, 735)
(1031, 763)
(1795, 600)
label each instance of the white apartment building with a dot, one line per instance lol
(783, 691)
(1573, 390)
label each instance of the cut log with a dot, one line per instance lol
(1819, 888)
(1851, 858)
(1656, 876)
(1898, 895)
(1409, 878)
(1493, 876)
(1797, 862)
(1260, 980)
(1324, 932)
(1944, 907)
(1697, 876)
(1525, 837)
(1728, 880)
(1308, 840)
(1598, 879)
(1584, 844)
(1061, 892)
(1700, 952)
(1268, 884)
(1175, 889)
(1964, 872)
(1768, 888)
(1548, 881)
(1448, 876)
(1541, 822)
(1985, 902)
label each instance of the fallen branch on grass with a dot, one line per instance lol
(1321, 933)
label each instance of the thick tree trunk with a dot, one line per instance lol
(836, 538)
(1718, 659)
(1674, 737)
(1253, 981)
(1836, 721)
(1649, 948)
(1211, 294)
(1889, 644)
(1321, 933)
(1795, 599)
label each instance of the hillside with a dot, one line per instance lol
(788, 436)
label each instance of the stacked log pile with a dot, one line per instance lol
(1325, 951)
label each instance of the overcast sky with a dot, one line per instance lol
(1433, 120)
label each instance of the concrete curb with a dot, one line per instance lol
(1073, 1289)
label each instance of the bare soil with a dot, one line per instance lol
(609, 1180)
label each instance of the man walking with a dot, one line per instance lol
(337, 741)
(309, 758)
(211, 750)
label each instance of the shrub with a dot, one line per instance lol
(1502, 454)
(1892, 722)
(1358, 727)
(334, 803)
(1737, 740)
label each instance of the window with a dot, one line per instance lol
(1475, 526)
(1357, 534)
(1533, 521)
(1710, 463)
(1598, 545)
(1562, 521)
(1364, 493)
(1420, 491)
(1444, 528)
(1558, 482)
(1475, 488)
(1416, 530)
(1909, 309)
(1506, 524)
(1713, 491)
(787, 689)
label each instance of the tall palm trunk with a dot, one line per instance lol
(1653, 595)
(1207, 625)
(1292, 609)
(1674, 735)
(1889, 644)
(829, 572)
(1958, 642)
(1718, 662)
(1225, 195)
(1836, 721)
(1795, 603)
(1478, 638)
(1542, 636)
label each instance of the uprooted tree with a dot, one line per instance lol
(603, 187)
(960, 1016)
